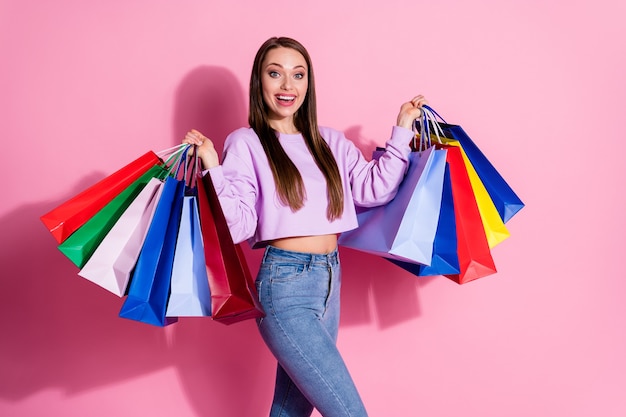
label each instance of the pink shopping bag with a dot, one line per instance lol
(113, 260)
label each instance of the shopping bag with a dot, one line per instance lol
(504, 198)
(112, 262)
(66, 218)
(475, 260)
(445, 259)
(233, 293)
(81, 244)
(150, 282)
(404, 228)
(494, 226)
(189, 295)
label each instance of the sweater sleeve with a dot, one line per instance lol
(376, 182)
(237, 189)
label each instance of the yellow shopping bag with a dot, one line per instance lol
(493, 224)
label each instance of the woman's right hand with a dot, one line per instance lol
(206, 150)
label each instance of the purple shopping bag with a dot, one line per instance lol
(189, 294)
(445, 259)
(405, 227)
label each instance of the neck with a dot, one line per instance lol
(284, 126)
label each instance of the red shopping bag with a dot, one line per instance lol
(475, 260)
(65, 219)
(233, 293)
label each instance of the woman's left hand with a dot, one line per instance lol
(410, 111)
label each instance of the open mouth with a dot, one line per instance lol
(286, 99)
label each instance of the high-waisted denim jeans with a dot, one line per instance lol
(300, 295)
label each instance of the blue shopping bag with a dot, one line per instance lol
(404, 228)
(189, 295)
(504, 198)
(445, 259)
(150, 283)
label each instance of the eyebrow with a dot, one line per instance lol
(278, 65)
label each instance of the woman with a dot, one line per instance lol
(290, 186)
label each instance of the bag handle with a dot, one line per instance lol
(196, 165)
(178, 158)
(174, 162)
(418, 130)
(427, 125)
(191, 168)
(433, 113)
(172, 150)
(173, 156)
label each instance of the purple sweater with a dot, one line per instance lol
(247, 193)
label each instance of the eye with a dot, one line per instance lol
(299, 76)
(274, 74)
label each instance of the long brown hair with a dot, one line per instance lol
(288, 181)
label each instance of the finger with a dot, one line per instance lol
(194, 138)
(419, 101)
(198, 135)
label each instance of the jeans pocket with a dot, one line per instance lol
(287, 271)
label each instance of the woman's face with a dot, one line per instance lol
(285, 82)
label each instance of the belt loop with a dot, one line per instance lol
(332, 258)
(267, 249)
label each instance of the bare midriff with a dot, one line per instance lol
(321, 244)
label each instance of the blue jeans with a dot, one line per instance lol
(300, 295)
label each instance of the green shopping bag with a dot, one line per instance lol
(81, 244)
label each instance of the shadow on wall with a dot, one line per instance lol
(209, 99)
(63, 332)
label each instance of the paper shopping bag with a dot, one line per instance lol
(495, 230)
(112, 262)
(233, 293)
(404, 228)
(445, 259)
(150, 282)
(475, 260)
(504, 198)
(81, 244)
(65, 219)
(189, 295)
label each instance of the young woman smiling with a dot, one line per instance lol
(290, 187)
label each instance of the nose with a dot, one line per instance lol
(286, 84)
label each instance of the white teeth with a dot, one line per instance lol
(288, 98)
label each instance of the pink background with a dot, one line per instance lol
(87, 86)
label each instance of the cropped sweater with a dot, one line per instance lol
(247, 192)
